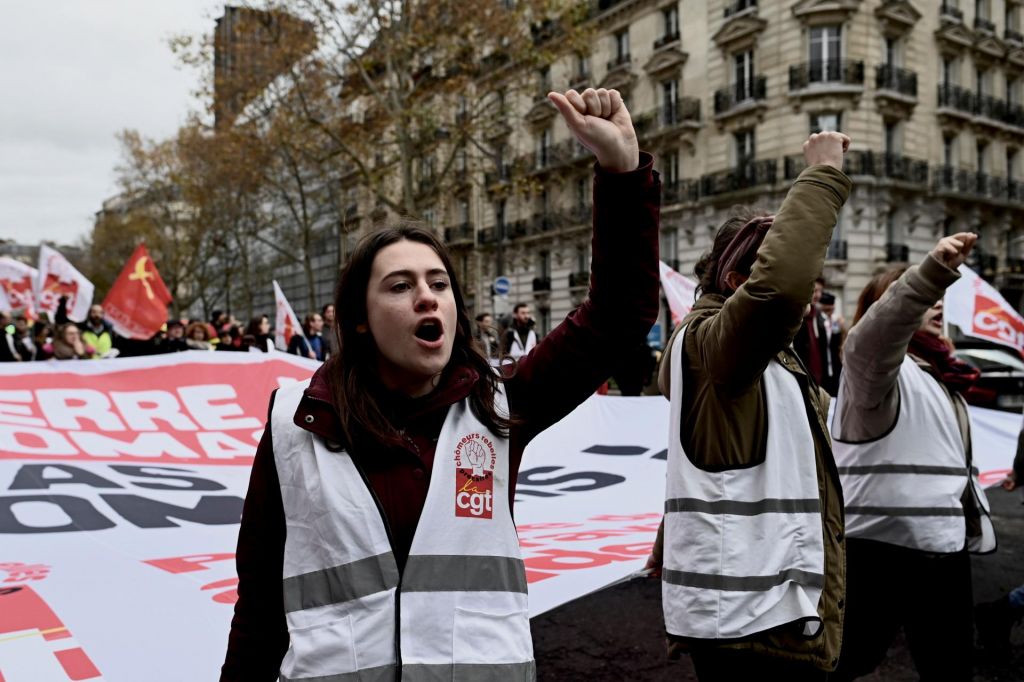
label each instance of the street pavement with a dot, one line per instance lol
(617, 634)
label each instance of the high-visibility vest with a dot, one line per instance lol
(905, 487)
(744, 550)
(458, 611)
(517, 349)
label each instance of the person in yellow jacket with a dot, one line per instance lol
(97, 332)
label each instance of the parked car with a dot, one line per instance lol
(1001, 386)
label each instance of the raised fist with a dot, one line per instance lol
(476, 455)
(952, 251)
(827, 149)
(600, 121)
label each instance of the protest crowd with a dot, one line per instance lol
(792, 547)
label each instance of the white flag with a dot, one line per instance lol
(286, 324)
(679, 292)
(58, 277)
(17, 284)
(974, 305)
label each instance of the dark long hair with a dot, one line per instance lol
(706, 268)
(352, 370)
(874, 289)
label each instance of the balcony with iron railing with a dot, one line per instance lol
(541, 284)
(501, 175)
(459, 234)
(517, 229)
(730, 99)
(837, 250)
(736, 6)
(579, 280)
(1013, 37)
(887, 165)
(679, 191)
(829, 74)
(984, 26)
(895, 79)
(897, 253)
(745, 176)
(955, 99)
(621, 61)
(489, 235)
(950, 12)
(666, 40)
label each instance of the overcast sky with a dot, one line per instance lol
(72, 74)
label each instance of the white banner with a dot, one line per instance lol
(286, 324)
(680, 292)
(58, 277)
(18, 283)
(122, 481)
(974, 305)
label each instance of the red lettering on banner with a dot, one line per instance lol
(563, 559)
(226, 597)
(584, 536)
(987, 478)
(546, 526)
(537, 576)
(188, 564)
(627, 517)
(189, 412)
(633, 549)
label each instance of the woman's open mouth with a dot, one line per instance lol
(430, 334)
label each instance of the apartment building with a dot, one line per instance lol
(724, 93)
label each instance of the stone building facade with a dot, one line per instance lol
(725, 93)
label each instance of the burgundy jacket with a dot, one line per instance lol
(560, 373)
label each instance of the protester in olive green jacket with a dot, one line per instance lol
(732, 334)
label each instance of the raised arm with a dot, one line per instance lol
(764, 313)
(877, 344)
(571, 362)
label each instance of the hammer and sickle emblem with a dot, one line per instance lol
(143, 276)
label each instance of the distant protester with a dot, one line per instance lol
(258, 330)
(197, 336)
(68, 344)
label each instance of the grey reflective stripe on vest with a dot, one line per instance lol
(384, 673)
(906, 511)
(868, 469)
(464, 573)
(768, 506)
(741, 583)
(340, 584)
(470, 672)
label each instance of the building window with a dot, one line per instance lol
(892, 55)
(621, 45)
(544, 80)
(744, 146)
(463, 212)
(545, 320)
(1012, 96)
(582, 186)
(1011, 164)
(670, 22)
(949, 151)
(982, 157)
(825, 50)
(544, 264)
(582, 67)
(582, 259)
(669, 246)
(743, 75)
(892, 137)
(1012, 16)
(428, 217)
(949, 72)
(825, 122)
(669, 101)
(981, 9)
(543, 147)
(670, 167)
(981, 82)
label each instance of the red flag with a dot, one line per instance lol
(137, 303)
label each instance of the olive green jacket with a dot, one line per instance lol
(729, 343)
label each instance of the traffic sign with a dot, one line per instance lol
(502, 285)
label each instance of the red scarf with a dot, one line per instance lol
(957, 375)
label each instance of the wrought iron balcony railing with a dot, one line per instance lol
(836, 250)
(737, 6)
(951, 12)
(954, 97)
(541, 284)
(459, 233)
(897, 253)
(832, 71)
(729, 98)
(903, 81)
(666, 39)
(983, 25)
(745, 176)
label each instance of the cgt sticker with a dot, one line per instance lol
(475, 461)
